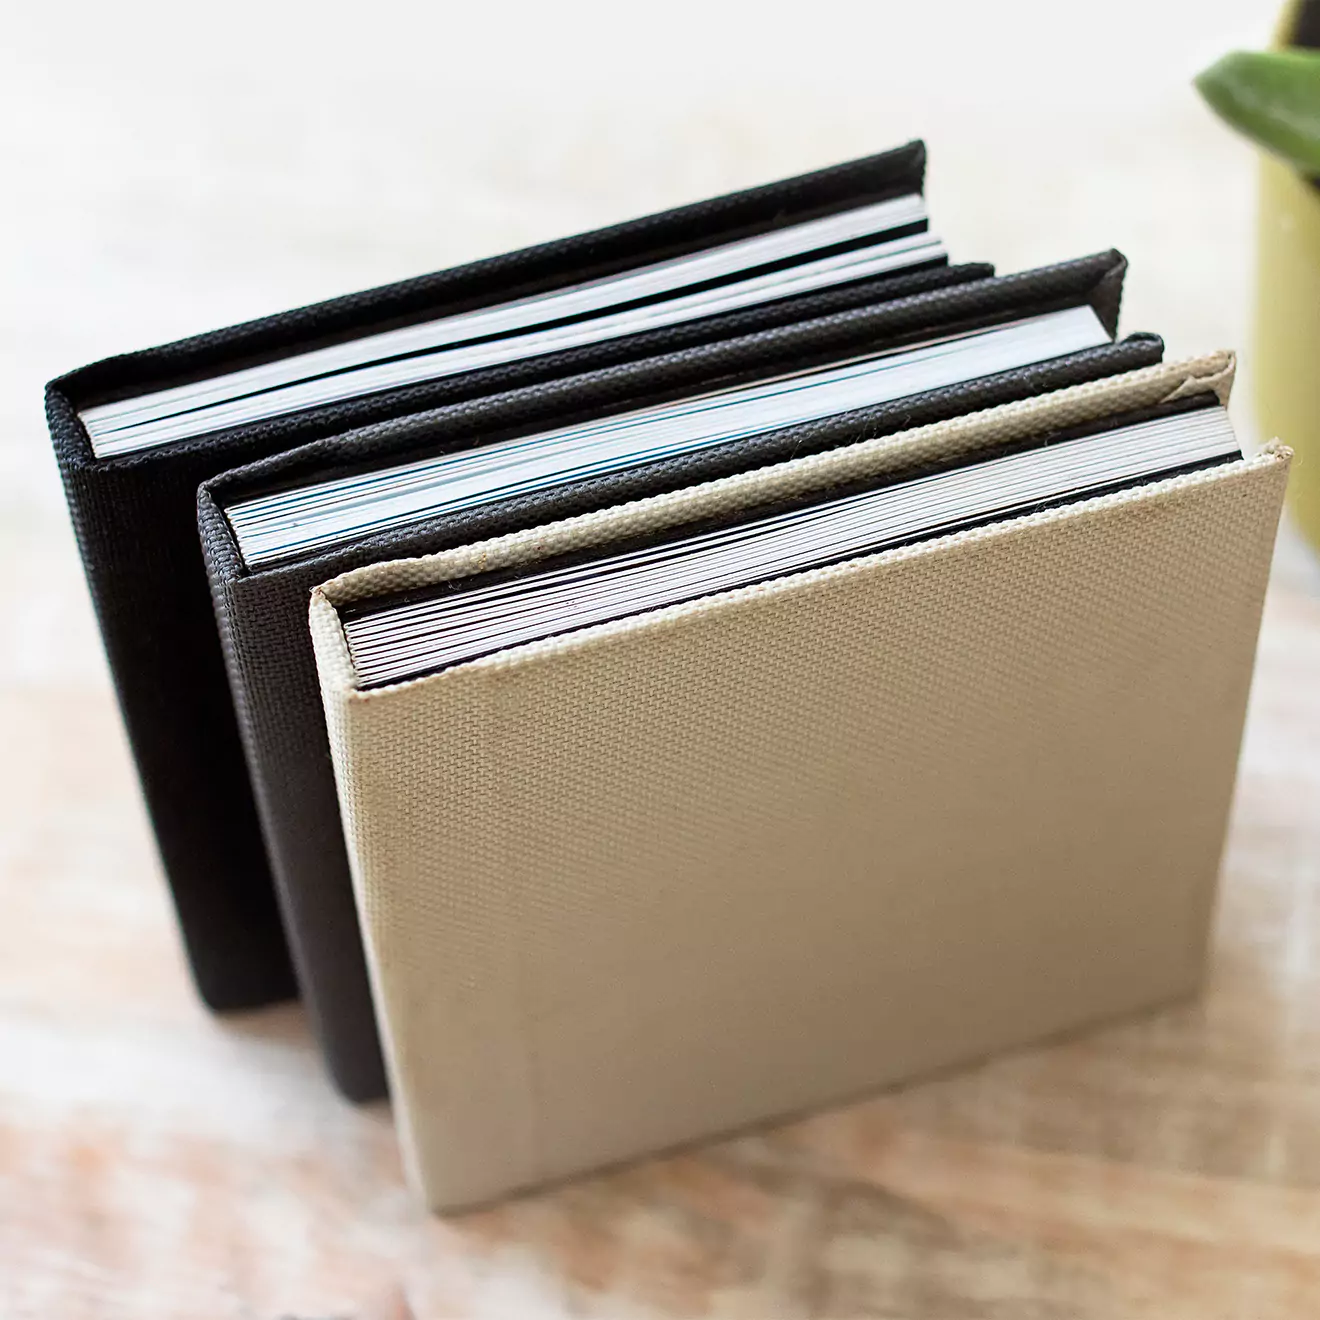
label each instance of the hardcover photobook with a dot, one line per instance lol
(682, 675)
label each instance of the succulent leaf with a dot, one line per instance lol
(1272, 97)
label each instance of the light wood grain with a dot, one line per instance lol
(155, 1162)
(168, 169)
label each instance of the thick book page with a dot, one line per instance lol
(789, 262)
(327, 513)
(406, 640)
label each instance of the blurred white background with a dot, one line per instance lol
(171, 168)
(168, 168)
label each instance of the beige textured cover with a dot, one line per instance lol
(666, 877)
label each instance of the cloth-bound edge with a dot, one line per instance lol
(956, 437)
(885, 173)
(950, 438)
(335, 669)
(1149, 495)
(344, 704)
(339, 677)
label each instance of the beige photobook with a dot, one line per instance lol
(663, 878)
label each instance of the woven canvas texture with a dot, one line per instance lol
(666, 877)
(511, 274)
(135, 514)
(885, 455)
(263, 614)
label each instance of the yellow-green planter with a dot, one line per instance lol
(1287, 357)
(1287, 360)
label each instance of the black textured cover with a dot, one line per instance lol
(135, 519)
(263, 614)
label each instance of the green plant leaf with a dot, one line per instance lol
(1273, 97)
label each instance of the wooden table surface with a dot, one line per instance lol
(168, 169)
(156, 1162)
